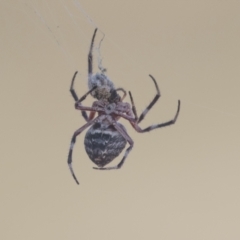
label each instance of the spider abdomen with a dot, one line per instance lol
(103, 144)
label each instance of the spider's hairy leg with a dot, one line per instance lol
(152, 127)
(79, 106)
(72, 145)
(90, 56)
(100, 67)
(72, 90)
(133, 106)
(85, 95)
(124, 92)
(75, 97)
(134, 123)
(144, 113)
(129, 140)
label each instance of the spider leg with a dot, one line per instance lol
(129, 140)
(90, 56)
(96, 106)
(72, 90)
(100, 67)
(124, 92)
(79, 106)
(76, 133)
(144, 113)
(134, 123)
(152, 127)
(85, 95)
(133, 106)
(74, 95)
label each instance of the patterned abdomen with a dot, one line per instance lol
(103, 145)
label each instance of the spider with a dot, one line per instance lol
(106, 138)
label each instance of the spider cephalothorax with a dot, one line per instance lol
(106, 138)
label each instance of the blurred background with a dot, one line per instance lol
(179, 182)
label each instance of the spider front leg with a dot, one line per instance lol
(124, 92)
(133, 106)
(80, 130)
(75, 97)
(152, 127)
(79, 106)
(129, 140)
(72, 90)
(144, 113)
(135, 125)
(90, 56)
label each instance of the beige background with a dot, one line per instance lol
(180, 182)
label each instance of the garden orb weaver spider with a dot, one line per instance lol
(106, 138)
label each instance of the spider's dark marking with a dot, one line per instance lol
(107, 138)
(103, 144)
